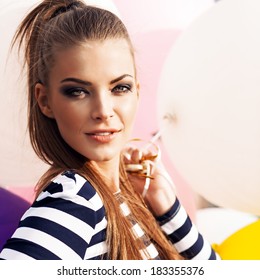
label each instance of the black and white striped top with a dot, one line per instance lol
(68, 221)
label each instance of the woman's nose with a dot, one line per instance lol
(103, 107)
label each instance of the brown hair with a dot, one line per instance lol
(49, 27)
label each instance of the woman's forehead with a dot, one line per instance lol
(92, 58)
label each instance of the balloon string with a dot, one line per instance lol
(149, 165)
(169, 118)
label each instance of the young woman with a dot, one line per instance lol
(83, 95)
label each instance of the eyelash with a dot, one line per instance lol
(74, 92)
(122, 88)
(77, 92)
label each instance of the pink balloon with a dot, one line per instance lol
(149, 66)
(154, 30)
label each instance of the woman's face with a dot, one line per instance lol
(93, 94)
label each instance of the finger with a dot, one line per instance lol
(127, 153)
(136, 156)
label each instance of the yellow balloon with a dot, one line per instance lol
(242, 245)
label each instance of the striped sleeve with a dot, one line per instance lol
(184, 235)
(60, 224)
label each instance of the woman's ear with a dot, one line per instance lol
(42, 98)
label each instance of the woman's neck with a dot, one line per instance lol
(110, 171)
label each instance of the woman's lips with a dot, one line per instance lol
(103, 136)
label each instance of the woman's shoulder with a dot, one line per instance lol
(73, 187)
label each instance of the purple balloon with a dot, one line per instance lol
(12, 207)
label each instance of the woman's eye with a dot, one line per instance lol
(122, 88)
(74, 92)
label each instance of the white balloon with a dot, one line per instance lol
(18, 163)
(216, 224)
(181, 13)
(210, 81)
(154, 15)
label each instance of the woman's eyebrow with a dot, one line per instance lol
(120, 78)
(75, 80)
(86, 83)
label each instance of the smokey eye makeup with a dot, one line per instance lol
(78, 91)
(73, 91)
(122, 88)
